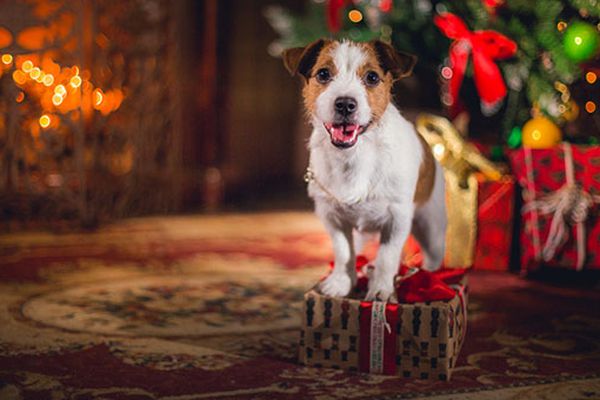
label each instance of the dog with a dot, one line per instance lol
(369, 170)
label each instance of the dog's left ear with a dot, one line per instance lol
(398, 63)
(300, 60)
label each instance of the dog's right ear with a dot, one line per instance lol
(300, 60)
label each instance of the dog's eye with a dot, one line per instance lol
(323, 75)
(371, 78)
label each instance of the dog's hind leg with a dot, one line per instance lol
(429, 225)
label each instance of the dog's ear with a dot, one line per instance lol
(398, 63)
(300, 60)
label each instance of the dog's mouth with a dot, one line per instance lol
(344, 135)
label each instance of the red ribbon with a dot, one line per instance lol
(334, 7)
(486, 46)
(424, 286)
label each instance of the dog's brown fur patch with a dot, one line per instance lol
(426, 174)
(378, 96)
(313, 89)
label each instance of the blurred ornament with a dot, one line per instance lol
(540, 133)
(581, 41)
(515, 138)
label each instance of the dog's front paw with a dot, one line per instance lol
(380, 290)
(336, 285)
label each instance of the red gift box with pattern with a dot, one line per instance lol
(418, 337)
(561, 194)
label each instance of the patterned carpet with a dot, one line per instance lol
(208, 307)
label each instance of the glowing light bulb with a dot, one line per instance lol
(57, 99)
(48, 80)
(7, 59)
(355, 16)
(19, 77)
(20, 97)
(35, 73)
(27, 66)
(591, 77)
(561, 26)
(447, 73)
(60, 89)
(98, 97)
(45, 121)
(590, 107)
(75, 81)
(536, 134)
(578, 40)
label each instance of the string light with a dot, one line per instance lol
(98, 97)
(20, 97)
(7, 59)
(561, 26)
(447, 73)
(57, 99)
(355, 16)
(27, 66)
(590, 107)
(19, 77)
(591, 77)
(75, 81)
(48, 80)
(45, 121)
(60, 90)
(35, 73)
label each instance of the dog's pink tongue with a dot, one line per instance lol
(344, 133)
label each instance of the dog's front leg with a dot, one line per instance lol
(393, 236)
(343, 276)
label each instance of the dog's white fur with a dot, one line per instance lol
(373, 185)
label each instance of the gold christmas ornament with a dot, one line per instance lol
(541, 133)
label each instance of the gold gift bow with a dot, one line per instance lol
(460, 160)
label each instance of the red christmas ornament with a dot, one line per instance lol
(486, 46)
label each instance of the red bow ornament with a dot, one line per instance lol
(486, 46)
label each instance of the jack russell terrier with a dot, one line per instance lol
(370, 171)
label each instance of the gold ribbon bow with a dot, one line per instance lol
(459, 159)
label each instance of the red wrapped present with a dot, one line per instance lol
(561, 193)
(419, 337)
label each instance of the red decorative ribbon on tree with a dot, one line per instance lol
(334, 7)
(486, 46)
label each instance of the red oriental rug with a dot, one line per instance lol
(208, 307)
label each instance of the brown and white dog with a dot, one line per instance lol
(370, 170)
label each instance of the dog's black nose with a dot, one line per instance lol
(345, 105)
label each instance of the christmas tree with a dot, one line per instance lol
(501, 61)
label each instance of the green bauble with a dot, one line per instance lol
(581, 41)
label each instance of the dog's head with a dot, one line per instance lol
(347, 85)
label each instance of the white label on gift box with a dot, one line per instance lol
(378, 325)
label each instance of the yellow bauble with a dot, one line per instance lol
(541, 133)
